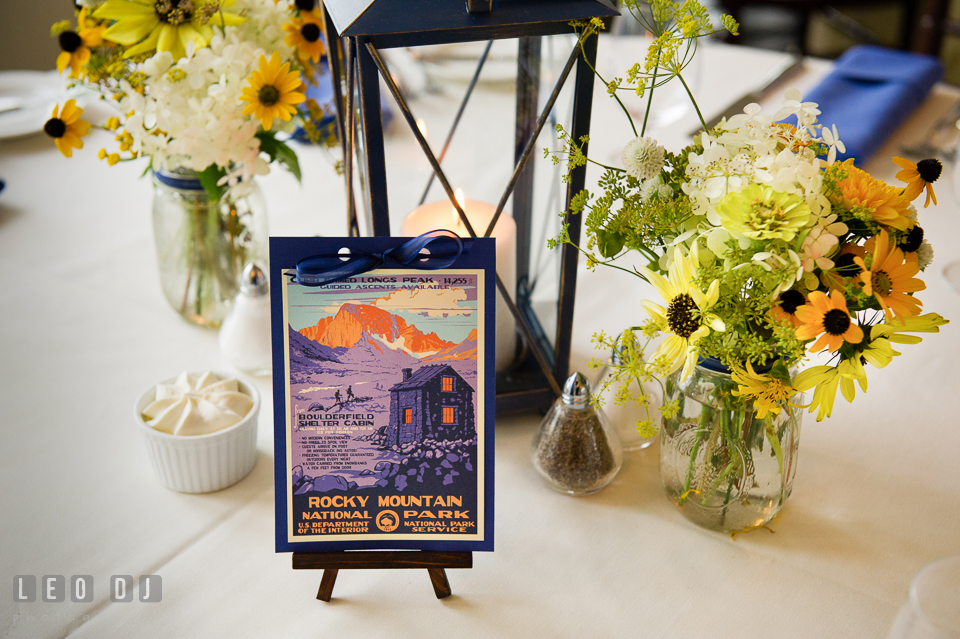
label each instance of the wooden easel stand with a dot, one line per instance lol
(332, 562)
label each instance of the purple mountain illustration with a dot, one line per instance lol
(371, 350)
(305, 353)
(467, 349)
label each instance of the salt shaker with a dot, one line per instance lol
(625, 417)
(245, 332)
(575, 451)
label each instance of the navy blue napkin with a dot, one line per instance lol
(870, 92)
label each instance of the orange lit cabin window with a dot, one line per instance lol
(447, 384)
(407, 415)
(449, 415)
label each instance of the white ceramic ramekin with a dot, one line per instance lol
(202, 463)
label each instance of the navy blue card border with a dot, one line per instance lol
(285, 252)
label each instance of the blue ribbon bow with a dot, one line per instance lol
(445, 247)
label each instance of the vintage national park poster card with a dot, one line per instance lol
(383, 401)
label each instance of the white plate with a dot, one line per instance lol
(37, 92)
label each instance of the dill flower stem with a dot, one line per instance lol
(694, 101)
(609, 168)
(653, 82)
(615, 97)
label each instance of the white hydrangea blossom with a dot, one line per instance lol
(191, 114)
(753, 148)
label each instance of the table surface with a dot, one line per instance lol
(85, 330)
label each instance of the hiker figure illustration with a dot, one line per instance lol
(350, 394)
(336, 397)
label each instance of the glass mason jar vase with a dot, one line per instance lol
(203, 245)
(723, 467)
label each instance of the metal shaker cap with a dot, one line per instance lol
(253, 282)
(576, 392)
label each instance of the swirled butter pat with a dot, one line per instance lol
(197, 405)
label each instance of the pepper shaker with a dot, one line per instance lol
(576, 451)
(245, 332)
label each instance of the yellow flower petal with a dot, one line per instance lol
(131, 31)
(146, 46)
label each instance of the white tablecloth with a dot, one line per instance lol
(85, 330)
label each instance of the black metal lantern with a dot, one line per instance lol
(358, 29)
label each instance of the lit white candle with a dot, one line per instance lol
(442, 215)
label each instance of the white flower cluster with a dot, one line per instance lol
(190, 114)
(753, 148)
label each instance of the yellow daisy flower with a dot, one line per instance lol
(75, 45)
(826, 380)
(273, 91)
(685, 318)
(893, 331)
(890, 278)
(827, 317)
(304, 35)
(918, 177)
(769, 394)
(67, 129)
(885, 204)
(164, 25)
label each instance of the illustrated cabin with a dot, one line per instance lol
(435, 402)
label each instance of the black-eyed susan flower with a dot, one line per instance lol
(67, 128)
(273, 91)
(918, 177)
(304, 35)
(785, 310)
(827, 316)
(75, 45)
(686, 318)
(761, 213)
(164, 25)
(890, 278)
(885, 204)
(844, 266)
(305, 5)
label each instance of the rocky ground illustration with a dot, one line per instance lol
(427, 465)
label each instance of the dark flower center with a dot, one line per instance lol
(881, 283)
(910, 242)
(680, 315)
(791, 300)
(310, 32)
(55, 128)
(929, 169)
(836, 322)
(305, 5)
(70, 41)
(174, 12)
(845, 265)
(268, 95)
